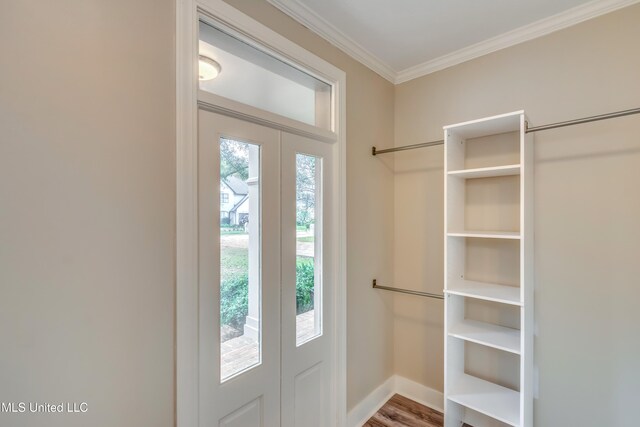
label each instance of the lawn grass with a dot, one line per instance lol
(307, 239)
(227, 231)
(233, 262)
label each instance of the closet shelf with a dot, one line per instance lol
(490, 335)
(486, 172)
(486, 234)
(490, 399)
(485, 291)
(500, 248)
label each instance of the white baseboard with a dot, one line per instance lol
(370, 404)
(395, 384)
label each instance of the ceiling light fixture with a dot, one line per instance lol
(208, 69)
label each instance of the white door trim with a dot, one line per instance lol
(218, 104)
(187, 377)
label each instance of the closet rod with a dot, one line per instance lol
(583, 120)
(406, 147)
(528, 129)
(407, 291)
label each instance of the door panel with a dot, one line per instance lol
(245, 389)
(309, 395)
(307, 312)
(250, 415)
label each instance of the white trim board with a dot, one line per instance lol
(310, 19)
(326, 30)
(370, 404)
(186, 351)
(395, 384)
(528, 32)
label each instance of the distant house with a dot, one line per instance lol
(234, 200)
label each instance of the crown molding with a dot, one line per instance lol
(528, 32)
(310, 19)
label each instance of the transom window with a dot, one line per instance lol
(238, 71)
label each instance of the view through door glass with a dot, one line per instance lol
(308, 248)
(240, 287)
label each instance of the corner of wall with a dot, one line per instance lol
(395, 384)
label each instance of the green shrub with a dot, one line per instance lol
(234, 301)
(234, 294)
(304, 285)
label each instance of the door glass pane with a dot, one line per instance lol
(236, 70)
(240, 287)
(308, 248)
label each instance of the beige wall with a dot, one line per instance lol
(87, 202)
(370, 106)
(87, 221)
(587, 211)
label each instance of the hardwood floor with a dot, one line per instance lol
(400, 411)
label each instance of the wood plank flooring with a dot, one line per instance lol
(400, 411)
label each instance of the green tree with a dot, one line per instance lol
(234, 159)
(305, 189)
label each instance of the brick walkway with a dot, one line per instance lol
(242, 352)
(305, 326)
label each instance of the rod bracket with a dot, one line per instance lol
(373, 150)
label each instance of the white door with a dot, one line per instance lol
(239, 272)
(265, 277)
(307, 283)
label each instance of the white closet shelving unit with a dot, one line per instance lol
(489, 272)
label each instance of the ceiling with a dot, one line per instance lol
(404, 39)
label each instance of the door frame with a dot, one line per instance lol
(188, 101)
